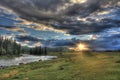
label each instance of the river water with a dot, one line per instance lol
(24, 59)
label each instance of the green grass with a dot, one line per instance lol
(9, 56)
(70, 66)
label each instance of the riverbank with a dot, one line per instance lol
(9, 56)
(23, 59)
(70, 66)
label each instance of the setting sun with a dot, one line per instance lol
(81, 47)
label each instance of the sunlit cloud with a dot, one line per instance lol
(93, 37)
(84, 20)
(80, 47)
(78, 1)
(13, 29)
(38, 26)
(6, 10)
(65, 22)
(16, 29)
(118, 4)
(103, 12)
(23, 34)
(37, 44)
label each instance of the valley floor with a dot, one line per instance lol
(69, 66)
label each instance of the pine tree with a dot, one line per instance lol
(45, 51)
(8, 46)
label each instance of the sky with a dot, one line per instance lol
(56, 23)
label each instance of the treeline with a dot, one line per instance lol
(39, 51)
(9, 46)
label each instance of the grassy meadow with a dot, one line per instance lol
(69, 66)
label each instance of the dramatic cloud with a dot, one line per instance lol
(27, 38)
(60, 13)
(67, 18)
(14, 29)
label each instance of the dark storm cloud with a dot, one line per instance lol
(12, 28)
(46, 9)
(27, 38)
(109, 43)
(60, 11)
(64, 43)
(83, 28)
(36, 8)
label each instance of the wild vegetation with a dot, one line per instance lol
(70, 66)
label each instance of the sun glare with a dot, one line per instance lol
(80, 47)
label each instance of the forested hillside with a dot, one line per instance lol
(9, 46)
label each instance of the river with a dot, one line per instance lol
(24, 59)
